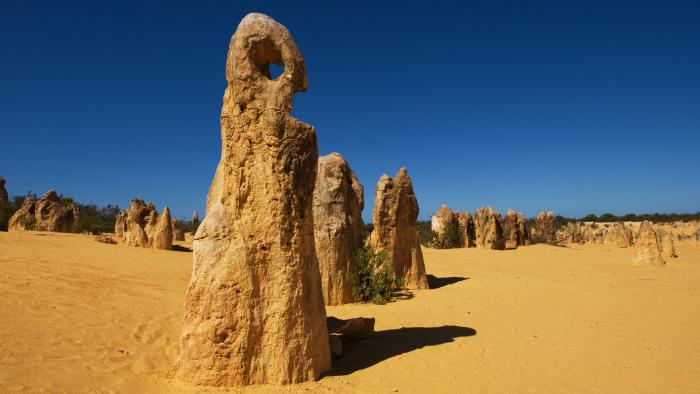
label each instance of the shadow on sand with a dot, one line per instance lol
(180, 248)
(435, 283)
(362, 353)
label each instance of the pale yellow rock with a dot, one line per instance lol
(647, 250)
(338, 228)
(46, 214)
(254, 312)
(489, 230)
(163, 231)
(668, 247)
(394, 215)
(617, 234)
(134, 223)
(442, 218)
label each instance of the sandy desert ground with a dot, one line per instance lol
(81, 316)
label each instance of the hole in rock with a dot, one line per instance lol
(267, 58)
(276, 70)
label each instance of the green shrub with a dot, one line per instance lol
(376, 280)
(97, 220)
(450, 238)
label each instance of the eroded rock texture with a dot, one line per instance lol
(46, 214)
(254, 311)
(4, 206)
(394, 216)
(467, 231)
(647, 248)
(337, 206)
(141, 226)
(445, 225)
(619, 235)
(442, 219)
(515, 229)
(543, 230)
(489, 230)
(668, 247)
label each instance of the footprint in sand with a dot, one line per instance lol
(148, 333)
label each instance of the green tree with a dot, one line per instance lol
(376, 280)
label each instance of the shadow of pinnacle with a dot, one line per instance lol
(435, 283)
(362, 353)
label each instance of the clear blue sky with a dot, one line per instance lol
(574, 106)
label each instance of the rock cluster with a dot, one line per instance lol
(488, 228)
(4, 206)
(46, 214)
(394, 216)
(141, 226)
(338, 201)
(254, 310)
(543, 230)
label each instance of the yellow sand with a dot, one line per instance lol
(80, 316)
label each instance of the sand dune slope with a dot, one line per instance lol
(81, 316)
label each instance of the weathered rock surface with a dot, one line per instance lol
(338, 201)
(394, 216)
(4, 206)
(119, 224)
(543, 230)
(46, 214)
(133, 223)
(442, 219)
(445, 226)
(647, 249)
(141, 226)
(467, 231)
(515, 229)
(105, 239)
(617, 234)
(489, 230)
(254, 311)
(668, 247)
(178, 234)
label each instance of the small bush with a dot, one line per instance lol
(376, 280)
(450, 238)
